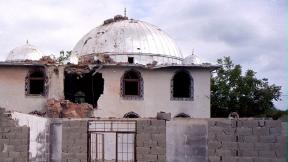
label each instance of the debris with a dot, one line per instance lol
(67, 109)
(38, 113)
(47, 60)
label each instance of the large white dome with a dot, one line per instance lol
(24, 52)
(121, 38)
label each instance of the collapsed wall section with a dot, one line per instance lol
(14, 140)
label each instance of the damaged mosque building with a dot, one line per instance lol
(122, 68)
(125, 93)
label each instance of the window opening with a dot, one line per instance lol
(35, 84)
(131, 60)
(131, 115)
(132, 84)
(182, 115)
(182, 85)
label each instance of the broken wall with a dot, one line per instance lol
(55, 81)
(39, 133)
(156, 94)
(14, 139)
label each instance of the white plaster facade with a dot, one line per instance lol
(157, 94)
(12, 85)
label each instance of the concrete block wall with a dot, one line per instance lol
(187, 140)
(151, 140)
(14, 140)
(249, 140)
(74, 140)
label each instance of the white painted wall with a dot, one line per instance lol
(38, 147)
(12, 89)
(156, 94)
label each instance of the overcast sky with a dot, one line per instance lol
(250, 31)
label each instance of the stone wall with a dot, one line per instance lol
(74, 140)
(249, 140)
(14, 140)
(151, 140)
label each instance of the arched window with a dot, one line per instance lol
(131, 115)
(132, 85)
(182, 86)
(182, 115)
(35, 83)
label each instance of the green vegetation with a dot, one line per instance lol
(63, 56)
(231, 91)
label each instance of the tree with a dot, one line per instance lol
(63, 56)
(245, 94)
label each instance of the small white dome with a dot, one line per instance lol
(121, 38)
(191, 59)
(25, 52)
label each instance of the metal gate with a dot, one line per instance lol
(111, 141)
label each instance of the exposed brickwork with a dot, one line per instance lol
(74, 141)
(14, 140)
(245, 140)
(151, 141)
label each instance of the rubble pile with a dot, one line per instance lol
(67, 109)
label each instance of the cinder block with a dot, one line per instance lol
(245, 145)
(262, 146)
(157, 150)
(275, 131)
(248, 139)
(248, 153)
(245, 159)
(261, 123)
(13, 154)
(267, 139)
(250, 123)
(151, 157)
(211, 152)
(261, 131)
(142, 150)
(260, 159)
(158, 137)
(273, 123)
(213, 159)
(267, 154)
(143, 136)
(226, 138)
(164, 116)
(229, 145)
(226, 123)
(161, 158)
(244, 131)
(278, 160)
(214, 145)
(226, 152)
(229, 159)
